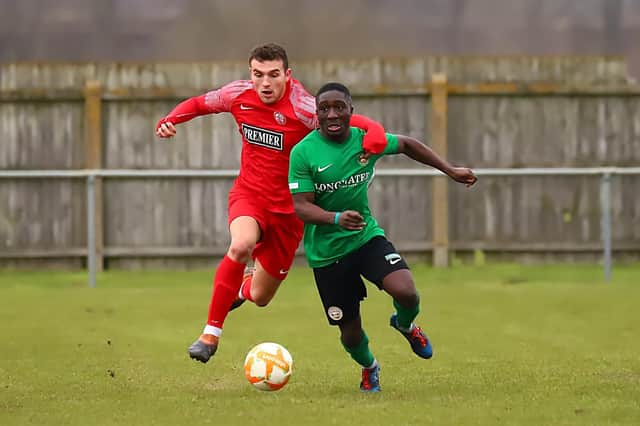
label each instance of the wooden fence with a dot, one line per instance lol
(478, 112)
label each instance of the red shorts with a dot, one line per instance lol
(280, 234)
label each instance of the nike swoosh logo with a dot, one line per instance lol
(393, 258)
(243, 107)
(322, 169)
(282, 271)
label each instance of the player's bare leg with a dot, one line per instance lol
(273, 258)
(258, 286)
(245, 233)
(263, 285)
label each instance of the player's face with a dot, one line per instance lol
(269, 79)
(334, 110)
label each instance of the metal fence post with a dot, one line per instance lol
(605, 203)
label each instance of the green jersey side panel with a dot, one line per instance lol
(334, 172)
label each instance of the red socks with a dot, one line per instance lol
(226, 285)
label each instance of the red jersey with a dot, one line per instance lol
(268, 134)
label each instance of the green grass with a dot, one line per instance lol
(534, 345)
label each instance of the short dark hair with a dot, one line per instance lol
(334, 86)
(269, 52)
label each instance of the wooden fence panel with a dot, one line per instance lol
(166, 212)
(402, 206)
(203, 143)
(512, 126)
(505, 211)
(41, 135)
(42, 217)
(549, 131)
(626, 210)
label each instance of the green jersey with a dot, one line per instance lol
(334, 172)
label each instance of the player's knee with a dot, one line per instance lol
(351, 340)
(351, 334)
(240, 251)
(408, 298)
(402, 288)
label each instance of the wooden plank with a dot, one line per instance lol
(541, 89)
(166, 251)
(40, 95)
(93, 158)
(402, 246)
(43, 254)
(440, 199)
(93, 124)
(538, 247)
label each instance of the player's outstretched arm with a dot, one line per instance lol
(309, 212)
(421, 153)
(215, 101)
(184, 111)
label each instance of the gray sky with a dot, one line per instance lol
(151, 30)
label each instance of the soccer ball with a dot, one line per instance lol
(268, 366)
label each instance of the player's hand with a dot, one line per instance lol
(352, 220)
(463, 175)
(374, 142)
(165, 129)
(375, 139)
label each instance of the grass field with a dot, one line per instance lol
(534, 345)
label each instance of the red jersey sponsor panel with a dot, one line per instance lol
(268, 134)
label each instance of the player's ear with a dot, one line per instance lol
(288, 73)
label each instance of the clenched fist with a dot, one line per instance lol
(165, 129)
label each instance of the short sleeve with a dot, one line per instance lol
(392, 145)
(390, 149)
(300, 179)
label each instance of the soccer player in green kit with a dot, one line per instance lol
(328, 178)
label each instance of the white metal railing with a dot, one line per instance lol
(90, 175)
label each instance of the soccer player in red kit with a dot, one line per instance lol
(273, 112)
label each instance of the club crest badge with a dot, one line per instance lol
(363, 160)
(280, 118)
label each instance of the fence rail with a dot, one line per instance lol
(91, 175)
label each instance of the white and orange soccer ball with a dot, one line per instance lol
(268, 366)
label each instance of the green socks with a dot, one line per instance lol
(406, 316)
(361, 353)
